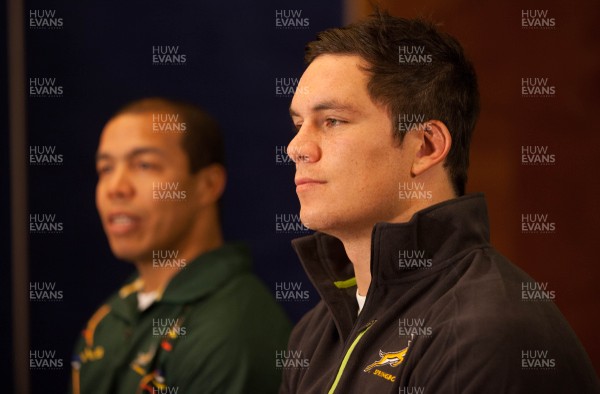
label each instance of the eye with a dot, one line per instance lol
(146, 166)
(103, 169)
(333, 122)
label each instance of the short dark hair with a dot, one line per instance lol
(202, 140)
(443, 88)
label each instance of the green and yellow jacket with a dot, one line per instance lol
(214, 329)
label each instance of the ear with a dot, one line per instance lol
(210, 183)
(434, 144)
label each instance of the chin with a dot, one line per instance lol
(313, 220)
(334, 223)
(308, 220)
(126, 254)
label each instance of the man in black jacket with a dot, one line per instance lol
(414, 298)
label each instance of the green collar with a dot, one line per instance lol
(199, 278)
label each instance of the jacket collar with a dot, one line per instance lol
(433, 238)
(199, 278)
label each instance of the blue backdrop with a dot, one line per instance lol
(236, 55)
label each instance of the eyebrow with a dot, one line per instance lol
(328, 105)
(133, 153)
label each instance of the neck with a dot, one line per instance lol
(205, 238)
(358, 244)
(358, 250)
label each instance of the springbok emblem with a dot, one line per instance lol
(392, 359)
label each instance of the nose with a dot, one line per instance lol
(120, 185)
(303, 148)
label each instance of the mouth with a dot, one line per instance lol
(122, 223)
(303, 184)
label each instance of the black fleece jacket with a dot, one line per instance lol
(445, 313)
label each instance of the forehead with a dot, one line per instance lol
(333, 77)
(127, 132)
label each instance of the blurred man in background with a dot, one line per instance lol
(194, 319)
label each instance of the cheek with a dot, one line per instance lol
(358, 160)
(373, 174)
(161, 224)
(144, 187)
(171, 215)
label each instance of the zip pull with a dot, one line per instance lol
(368, 325)
(338, 376)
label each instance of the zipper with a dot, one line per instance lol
(338, 376)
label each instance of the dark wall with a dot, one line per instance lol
(102, 58)
(5, 271)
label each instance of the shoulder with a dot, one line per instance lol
(240, 312)
(244, 297)
(492, 321)
(489, 292)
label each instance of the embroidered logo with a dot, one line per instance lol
(145, 358)
(91, 354)
(142, 360)
(393, 359)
